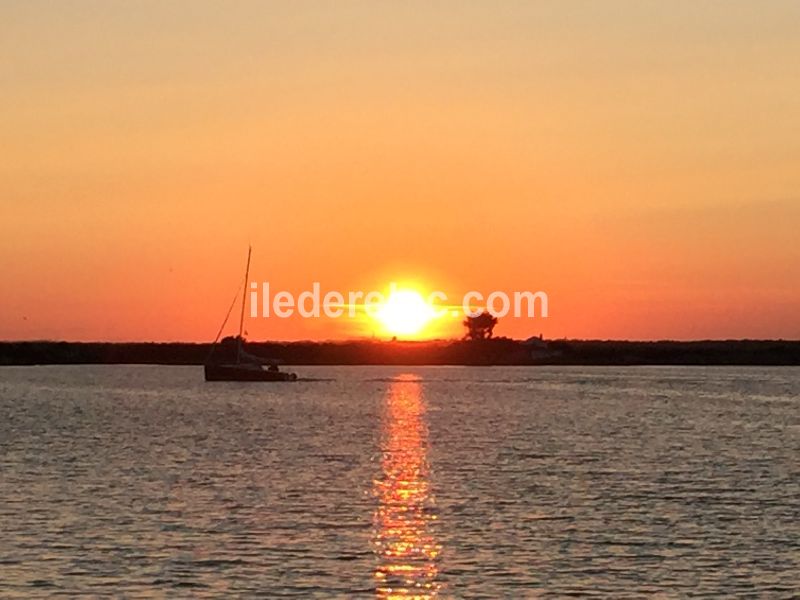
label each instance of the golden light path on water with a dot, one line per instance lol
(404, 541)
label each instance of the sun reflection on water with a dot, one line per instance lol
(404, 540)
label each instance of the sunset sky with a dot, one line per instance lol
(637, 161)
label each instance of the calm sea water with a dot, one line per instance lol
(134, 481)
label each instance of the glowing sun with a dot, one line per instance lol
(405, 312)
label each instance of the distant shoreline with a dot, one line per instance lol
(497, 351)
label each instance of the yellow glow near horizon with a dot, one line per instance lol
(405, 312)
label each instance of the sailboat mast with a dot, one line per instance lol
(244, 300)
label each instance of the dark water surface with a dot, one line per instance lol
(132, 481)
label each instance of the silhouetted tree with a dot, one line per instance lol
(480, 326)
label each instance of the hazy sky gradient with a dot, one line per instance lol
(638, 161)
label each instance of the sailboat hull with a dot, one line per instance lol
(245, 373)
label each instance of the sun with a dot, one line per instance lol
(405, 312)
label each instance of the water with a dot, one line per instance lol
(132, 481)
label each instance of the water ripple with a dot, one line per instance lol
(362, 482)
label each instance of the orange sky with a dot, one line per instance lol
(638, 161)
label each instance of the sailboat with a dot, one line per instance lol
(246, 367)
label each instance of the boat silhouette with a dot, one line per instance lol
(220, 366)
